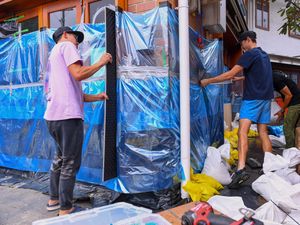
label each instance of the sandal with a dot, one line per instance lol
(238, 178)
(75, 209)
(53, 207)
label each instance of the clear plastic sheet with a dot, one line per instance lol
(148, 95)
(148, 134)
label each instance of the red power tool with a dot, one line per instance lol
(202, 214)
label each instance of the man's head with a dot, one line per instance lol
(66, 33)
(247, 40)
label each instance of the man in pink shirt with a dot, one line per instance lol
(64, 113)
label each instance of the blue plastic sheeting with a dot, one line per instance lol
(148, 132)
(276, 130)
(25, 143)
(148, 94)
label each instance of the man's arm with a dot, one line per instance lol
(238, 78)
(224, 76)
(287, 99)
(80, 72)
(94, 98)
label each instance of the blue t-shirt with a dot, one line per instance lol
(258, 75)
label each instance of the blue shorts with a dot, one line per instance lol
(258, 111)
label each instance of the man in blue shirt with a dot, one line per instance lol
(256, 104)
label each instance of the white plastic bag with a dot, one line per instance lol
(277, 142)
(274, 109)
(289, 174)
(292, 155)
(225, 150)
(274, 162)
(270, 212)
(216, 167)
(295, 214)
(228, 206)
(235, 122)
(272, 187)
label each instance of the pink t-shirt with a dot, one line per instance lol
(64, 93)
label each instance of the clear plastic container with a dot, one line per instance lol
(145, 219)
(105, 215)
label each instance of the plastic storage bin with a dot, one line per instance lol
(145, 219)
(105, 215)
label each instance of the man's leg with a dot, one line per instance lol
(54, 170)
(264, 137)
(241, 175)
(289, 126)
(71, 144)
(244, 127)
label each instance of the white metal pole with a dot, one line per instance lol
(183, 10)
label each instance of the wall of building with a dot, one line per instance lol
(271, 41)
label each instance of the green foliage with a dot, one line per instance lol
(291, 16)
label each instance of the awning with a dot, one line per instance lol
(285, 60)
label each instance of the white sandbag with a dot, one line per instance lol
(216, 167)
(295, 193)
(268, 222)
(295, 214)
(274, 162)
(235, 122)
(292, 155)
(228, 206)
(277, 142)
(274, 109)
(253, 127)
(225, 150)
(225, 126)
(289, 174)
(270, 212)
(272, 187)
(294, 178)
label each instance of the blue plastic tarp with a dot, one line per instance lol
(148, 127)
(25, 143)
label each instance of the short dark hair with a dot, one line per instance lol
(247, 34)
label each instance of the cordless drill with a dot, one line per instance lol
(202, 214)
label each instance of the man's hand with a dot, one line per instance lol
(102, 96)
(204, 82)
(105, 58)
(237, 78)
(280, 115)
(93, 98)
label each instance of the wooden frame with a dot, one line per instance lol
(262, 3)
(87, 10)
(54, 7)
(118, 3)
(293, 35)
(44, 10)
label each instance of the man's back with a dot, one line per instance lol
(280, 80)
(258, 75)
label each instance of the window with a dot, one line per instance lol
(30, 24)
(65, 17)
(295, 34)
(262, 14)
(294, 77)
(95, 6)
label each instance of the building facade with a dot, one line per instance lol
(264, 19)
